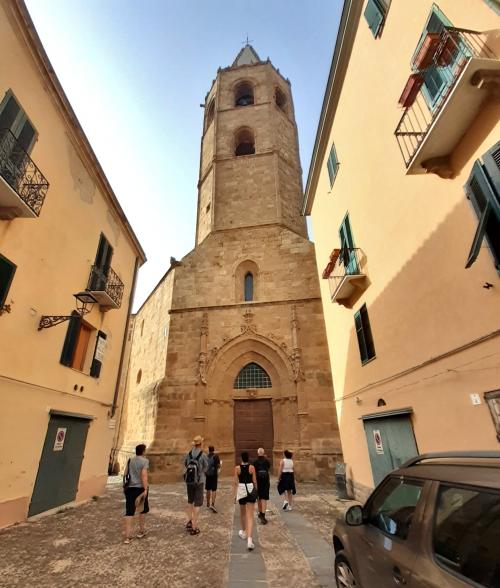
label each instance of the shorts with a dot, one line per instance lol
(195, 494)
(243, 490)
(211, 483)
(131, 495)
(263, 484)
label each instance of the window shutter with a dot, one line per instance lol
(97, 361)
(478, 237)
(492, 164)
(7, 270)
(374, 15)
(71, 339)
(9, 113)
(358, 324)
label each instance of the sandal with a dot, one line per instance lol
(127, 540)
(194, 531)
(189, 526)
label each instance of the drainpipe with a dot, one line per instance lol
(124, 342)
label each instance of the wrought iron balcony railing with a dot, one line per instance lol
(21, 174)
(438, 64)
(106, 287)
(344, 272)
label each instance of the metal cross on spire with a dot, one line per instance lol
(247, 42)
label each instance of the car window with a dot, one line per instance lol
(392, 507)
(467, 533)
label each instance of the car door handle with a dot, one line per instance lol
(397, 576)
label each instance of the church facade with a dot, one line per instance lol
(231, 344)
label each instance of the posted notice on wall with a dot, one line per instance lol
(377, 437)
(100, 347)
(60, 437)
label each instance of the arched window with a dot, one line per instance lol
(209, 117)
(252, 376)
(280, 99)
(244, 143)
(243, 95)
(249, 286)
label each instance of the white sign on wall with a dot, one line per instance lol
(377, 437)
(99, 350)
(60, 437)
(475, 399)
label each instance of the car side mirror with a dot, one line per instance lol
(354, 515)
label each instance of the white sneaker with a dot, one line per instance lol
(285, 504)
(242, 534)
(288, 508)
(250, 544)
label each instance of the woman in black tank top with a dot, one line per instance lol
(244, 482)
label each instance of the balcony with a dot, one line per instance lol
(23, 187)
(106, 287)
(454, 71)
(344, 274)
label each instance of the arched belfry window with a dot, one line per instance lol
(244, 143)
(280, 99)
(243, 95)
(209, 117)
(248, 286)
(252, 376)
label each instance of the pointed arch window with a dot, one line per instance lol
(252, 376)
(243, 95)
(248, 286)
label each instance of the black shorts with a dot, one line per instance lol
(131, 495)
(263, 484)
(195, 494)
(211, 483)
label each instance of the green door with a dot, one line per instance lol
(59, 469)
(390, 443)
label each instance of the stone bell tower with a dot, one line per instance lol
(246, 361)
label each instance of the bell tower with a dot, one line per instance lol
(250, 172)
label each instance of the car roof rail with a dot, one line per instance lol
(451, 454)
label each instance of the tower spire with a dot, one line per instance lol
(246, 56)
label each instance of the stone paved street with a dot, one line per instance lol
(83, 547)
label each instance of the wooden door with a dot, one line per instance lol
(253, 428)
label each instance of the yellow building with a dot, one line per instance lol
(404, 196)
(62, 232)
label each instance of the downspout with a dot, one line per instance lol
(124, 342)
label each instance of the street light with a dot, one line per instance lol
(84, 304)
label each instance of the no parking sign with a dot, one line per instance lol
(377, 437)
(60, 437)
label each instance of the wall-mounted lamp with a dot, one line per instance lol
(84, 304)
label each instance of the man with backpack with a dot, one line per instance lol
(214, 465)
(196, 465)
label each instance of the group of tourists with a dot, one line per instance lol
(251, 485)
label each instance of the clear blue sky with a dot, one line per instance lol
(135, 73)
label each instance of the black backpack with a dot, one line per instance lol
(213, 464)
(193, 472)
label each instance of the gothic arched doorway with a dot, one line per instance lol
(253, 417)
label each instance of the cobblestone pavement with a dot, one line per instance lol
(83, 546)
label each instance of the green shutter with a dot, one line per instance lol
(374, 15)
(492, 164)
(7, 270)
(364, 334)
(332, 164)
(69, 346)
(478, 237)
(358, 325)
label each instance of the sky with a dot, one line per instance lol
(136, 72)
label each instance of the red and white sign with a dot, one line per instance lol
(379, 447)
(60, 437)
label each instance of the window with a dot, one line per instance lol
(76, 343)
(347, 249)
(375, 13)
(280, 99)
(13, 118)
(102, 265)
(364, 334)
(252, 376)
(466, 533)
(244, 142)
(493, 402)
(483, 190)
(248, 286)
(494, 5)
(243, 95)
(332, 164)
(210, 113)
(7, 271)
(392, 507)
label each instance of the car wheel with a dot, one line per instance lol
(344, 576)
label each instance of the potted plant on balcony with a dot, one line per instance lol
(426, 51)
(411, 90)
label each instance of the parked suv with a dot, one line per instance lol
(432, 523)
